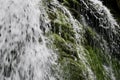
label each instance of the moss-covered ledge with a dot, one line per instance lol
(64, 44)
(98, 58)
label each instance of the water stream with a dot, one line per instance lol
(23, 51)
(24, 39)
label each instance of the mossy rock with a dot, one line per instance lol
(65, 46)
(116, 67)
(74, 7)
(72, 70)
(64, 29)
(95, 59)
(52, 15)
(59, 41)
(91, 37)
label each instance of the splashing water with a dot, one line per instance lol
(96, 15)
(24, 54)
(78, 28)
(23, 51)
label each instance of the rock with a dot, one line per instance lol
(118, 3)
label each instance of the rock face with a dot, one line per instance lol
(118, 3)
(111, 4)
(86, 38)
(114, 6)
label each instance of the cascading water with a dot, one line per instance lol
(23, 51)
(102, 36)
(82, 33)
(99, 17)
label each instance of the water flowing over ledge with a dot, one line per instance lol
(23, 51)
(58, 40)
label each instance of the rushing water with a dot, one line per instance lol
(24, 53)
(99, 17)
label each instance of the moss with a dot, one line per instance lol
(64, 55)
(59, 41)
(89, 37)
(97, 57)
(64, 29)
(73, 6)
(69, 3)
(91, 32)
(116, 68)
(52, 15)
(72, 70)
(93, 56)
(75, 13)
(61, 26)
(65, 2)
(65, 46)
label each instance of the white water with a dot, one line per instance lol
(108, 19)
(103, 10)
(23, 51)
(78, 28)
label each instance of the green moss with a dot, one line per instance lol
(116, 68)
(52, 15)
(65, 2)
(91, 32)
(61, 25)
(59, 41)
(70, 2)
(91, 37)
(64, 29)
(97, 57)
(72, 70)
(64, 43)
(65, 46)
(73, 6)
(96, 63)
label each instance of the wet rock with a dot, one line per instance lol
(118, 3)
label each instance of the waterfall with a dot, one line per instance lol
(23, 51)
(103, 34)
(99, 18)
(58, 40)
(102, 21)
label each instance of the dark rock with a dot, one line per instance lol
(118, 3)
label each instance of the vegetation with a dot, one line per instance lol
(64, 43)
